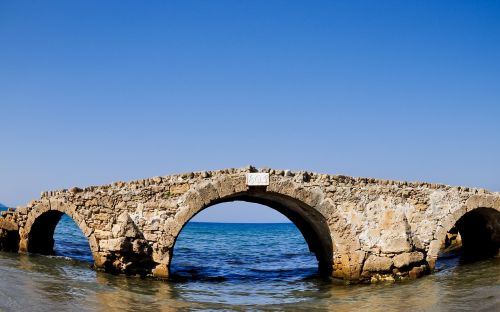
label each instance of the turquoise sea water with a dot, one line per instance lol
(232, 267)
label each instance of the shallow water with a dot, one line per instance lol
(232, 267)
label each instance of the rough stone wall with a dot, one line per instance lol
(377, 228)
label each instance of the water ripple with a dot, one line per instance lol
(233, 268)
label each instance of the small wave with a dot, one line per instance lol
(73, 259)
(295, 254)
(60, 257)
(235, 261)
(197, 274)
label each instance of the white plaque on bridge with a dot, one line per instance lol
(258, 179)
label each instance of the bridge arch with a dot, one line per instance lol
(37, 236)
(304, 208)
(478, 222)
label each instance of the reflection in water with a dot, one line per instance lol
(40, 283)
(32, 283)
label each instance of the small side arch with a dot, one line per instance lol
(478, 222)
(37, 236)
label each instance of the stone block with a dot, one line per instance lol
(395, 245)
(141, 246)
(417, 272)
(102, 234)
(407, 258)
(160, 271)
(177, 189)
(114, 244)
(377, 264)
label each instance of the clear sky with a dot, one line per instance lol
(97, 91)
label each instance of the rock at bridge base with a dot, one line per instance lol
(419, 271)
(161, 271)
(9, 234)
(348, 266)
(390, 267)
(9, 240)
(377, 264)
(407, 258)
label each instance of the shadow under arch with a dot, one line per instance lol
(309, 221)
(40, 227)
(480, 233)
(477, 225)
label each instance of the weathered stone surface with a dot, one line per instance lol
(377, 264)
(406, 259)
(114, 244)
(179, 189)
(8, 225)
(359, 228)
(417, 271)
(125, 227)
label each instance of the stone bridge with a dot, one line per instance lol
(358, 228)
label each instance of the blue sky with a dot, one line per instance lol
(93, 92)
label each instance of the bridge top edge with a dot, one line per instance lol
(309, 175)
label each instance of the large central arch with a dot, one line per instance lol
(310, 223)
(302, 207)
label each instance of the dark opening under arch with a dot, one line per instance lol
(476, 235)
(55, 225)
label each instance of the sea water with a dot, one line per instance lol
(232, 267)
